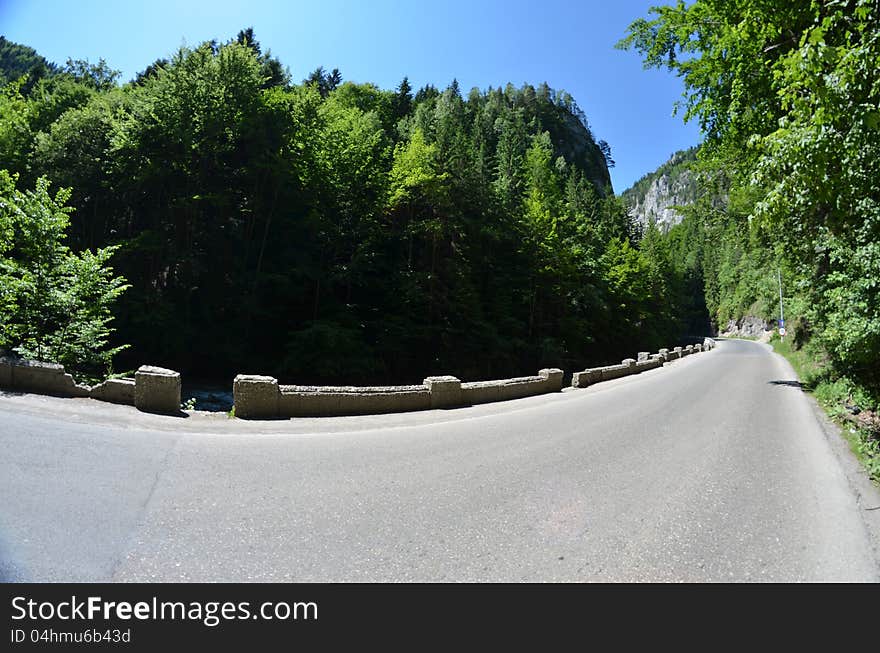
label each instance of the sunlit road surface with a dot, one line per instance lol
(713, 468)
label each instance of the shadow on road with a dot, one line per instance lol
(793, 384)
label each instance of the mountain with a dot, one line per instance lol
(652, 197)
(17, 60)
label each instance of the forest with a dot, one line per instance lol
(788, 98)
(215, 217)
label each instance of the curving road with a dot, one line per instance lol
(714, 468)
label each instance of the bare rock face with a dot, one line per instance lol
(653, 197)
(746, 327)
(658, 202)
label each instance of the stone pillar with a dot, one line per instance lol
(255, 396)
(676, 353)
(698, 348)
(157, 390)
(664, 354)
(445, 391)
(628, 362)
(554, 378)
(643, 356)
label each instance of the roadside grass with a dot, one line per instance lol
(849, 405)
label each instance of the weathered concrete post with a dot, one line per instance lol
(445, 391)
(676, 353)
(643, 356)
(628, 362)
(157, 390)
(554, 378)
(255, 396)
(664, 354)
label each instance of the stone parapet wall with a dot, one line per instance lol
(630, 366)
(39, 377)
(116, 391)
(482, 392)
(261, 396)
(152, 390)
(316, 401)
(158, 390)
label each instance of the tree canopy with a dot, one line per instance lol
(788, 96)
(333, 230)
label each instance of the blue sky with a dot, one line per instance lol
(481, 43)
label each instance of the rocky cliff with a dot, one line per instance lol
(747, 327)
(652, 198)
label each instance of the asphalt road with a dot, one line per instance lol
(714, 468)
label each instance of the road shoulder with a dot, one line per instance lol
(866, 492)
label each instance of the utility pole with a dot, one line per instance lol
(781, 314)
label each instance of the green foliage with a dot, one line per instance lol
(638, 283)
(17, 61)
(99, 76)
(323, 81)
(330, 231)
(414, 176)
(841, 396)
(727, 54)
(787, 94)
(15, 129)
(57, 303)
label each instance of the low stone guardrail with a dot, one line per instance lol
(645, 361)
(39, 377)
(152, 390)
(157, 390)
(258, 397)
